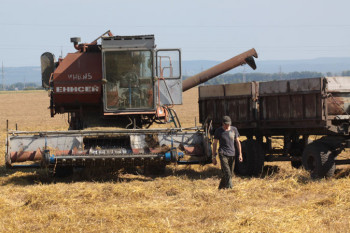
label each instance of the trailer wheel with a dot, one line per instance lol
(296, 164)
(297, 151)
(318, 160)
(253, 159)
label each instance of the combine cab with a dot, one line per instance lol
(123, 84)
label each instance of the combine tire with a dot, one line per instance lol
(318, 160)
(253, 159)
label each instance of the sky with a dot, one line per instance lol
(202, 29)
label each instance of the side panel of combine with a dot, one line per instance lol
(78, 81)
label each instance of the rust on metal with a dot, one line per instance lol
(127, 113)
(22, 156)
(338, 104)
(243, 58)
(82, 47)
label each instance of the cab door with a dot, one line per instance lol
(168, 77)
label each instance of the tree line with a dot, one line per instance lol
(22, 86)
(221, 79)
(249, 77)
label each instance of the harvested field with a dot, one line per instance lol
(185, 199)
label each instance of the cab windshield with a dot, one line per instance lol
(129, 80)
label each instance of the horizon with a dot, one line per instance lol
(334, 66)
(205, 60)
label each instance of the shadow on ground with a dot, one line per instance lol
(24, 177)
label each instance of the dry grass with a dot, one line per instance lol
(185, 199)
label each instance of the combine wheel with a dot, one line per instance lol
(253, 159)
(318, 159)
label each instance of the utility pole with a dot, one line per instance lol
(280, 72)
(2, 76)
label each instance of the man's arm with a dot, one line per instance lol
(215, 143)
(239, 147)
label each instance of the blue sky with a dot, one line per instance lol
(204, 30)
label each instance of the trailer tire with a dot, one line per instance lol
(298, 152)
(253, 159)
(296, 164)
(318, 159)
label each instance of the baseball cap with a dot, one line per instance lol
(226, 120)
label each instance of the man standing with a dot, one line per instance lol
(227, 136)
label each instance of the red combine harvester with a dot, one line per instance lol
(125, 83)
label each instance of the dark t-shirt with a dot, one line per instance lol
(226, 140)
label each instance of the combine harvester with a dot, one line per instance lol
(126, 84)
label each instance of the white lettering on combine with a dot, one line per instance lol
(86, 76)
(84, 89)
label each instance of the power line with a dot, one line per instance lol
(187, 25)
(205, 47)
